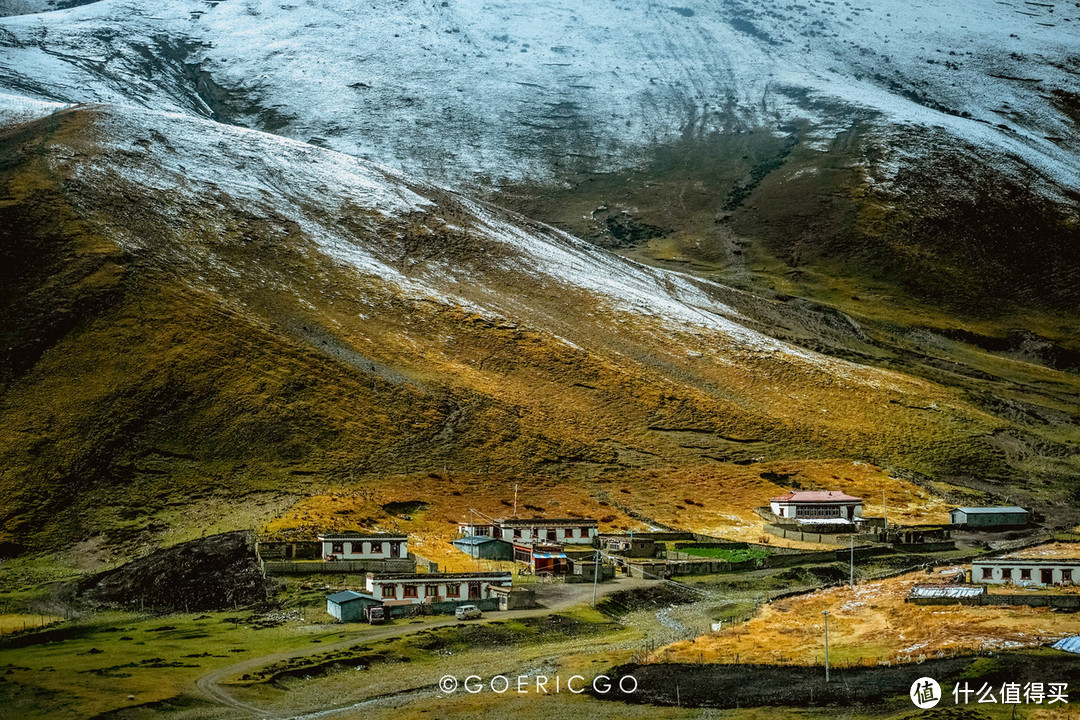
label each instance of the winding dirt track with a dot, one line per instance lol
(555, 597)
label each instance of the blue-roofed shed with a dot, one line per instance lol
(350, 606)
(485, 548)
(1069, 644)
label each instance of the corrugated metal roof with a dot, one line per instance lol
(548, 556)
(348, 596)
(945, 591)
(986, 510)
(475, 540)
(1069, 644)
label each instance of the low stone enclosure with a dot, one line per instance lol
(1061, 602)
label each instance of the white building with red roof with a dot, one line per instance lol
(817, 506)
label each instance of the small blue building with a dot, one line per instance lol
(485, 548)
(349, 606)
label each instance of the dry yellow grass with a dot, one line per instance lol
(871, 623)
(13, 622)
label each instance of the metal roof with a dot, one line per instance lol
(475, 540)
(363, 536)
(548, 556)
(986, 510)
(945, 591)
(1069, 644)
(348, 596)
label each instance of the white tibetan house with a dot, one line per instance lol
(364, 546)
(817, 506)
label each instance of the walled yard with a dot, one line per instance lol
(869, 624)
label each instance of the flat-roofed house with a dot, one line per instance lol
(817, 506)
(564, 531)
(416, 588)
(364, 546)
(1040, 566)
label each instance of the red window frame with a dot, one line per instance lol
(376, 547)
(337, 547)
(409, 591)
(389, 591)
(453, 589)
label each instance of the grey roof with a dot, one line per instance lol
(476, 540)
(945, 591)
(364, 536)
(348, 596)
(439, 577)
(985, 510)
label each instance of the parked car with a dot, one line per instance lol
(467, 612)
(376, 614)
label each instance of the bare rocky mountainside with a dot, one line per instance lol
(252, 251)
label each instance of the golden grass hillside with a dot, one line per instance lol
(199, 350)
(872, 623)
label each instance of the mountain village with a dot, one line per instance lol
(992, 555)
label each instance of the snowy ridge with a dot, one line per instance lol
(475, 89)
(196, 163)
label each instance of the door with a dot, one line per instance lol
(395, 549)
(474, 589)
(1047, 577)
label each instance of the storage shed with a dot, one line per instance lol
(990, 517)
(349, 606)
(485, 548)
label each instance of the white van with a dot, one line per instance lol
(467, 612)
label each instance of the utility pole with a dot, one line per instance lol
(826, 614)
(595, 575)
(852, 559)
(885, 509)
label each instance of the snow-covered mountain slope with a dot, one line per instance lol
(482, 90)
(188, 303)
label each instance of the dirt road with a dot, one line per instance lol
(554, 598)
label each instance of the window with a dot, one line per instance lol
(395, 549)
(453, 589)
(431, 590)
(517, 533)
(337, 548)
(1025, 573)
(376, 547)
(551, 535)
(1066, 575)
(988, 573)
(584, 532)
(389, 591)
(1006, 573)
(817, 511)
(568, 532)
(410, 591)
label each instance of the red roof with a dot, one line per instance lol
(816, 496)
